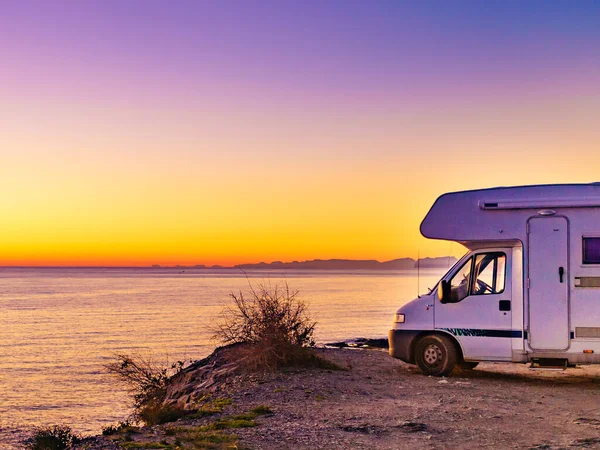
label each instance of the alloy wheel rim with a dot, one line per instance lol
(432, 355)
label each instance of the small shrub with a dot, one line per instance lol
(110, 430)
(125, 426)
(157, 413)
(147, 383)
(145, 379)
(272, 322)
(57, 437)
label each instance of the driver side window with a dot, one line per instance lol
(490, 269)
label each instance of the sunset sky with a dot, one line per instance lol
(223, 132)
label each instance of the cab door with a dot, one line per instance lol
(478, 310)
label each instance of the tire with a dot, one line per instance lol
(468, 365)
(436, 355)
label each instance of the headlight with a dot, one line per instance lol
(399, 318)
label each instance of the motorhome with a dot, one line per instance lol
(527, 291)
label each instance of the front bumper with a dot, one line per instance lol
(400, 343)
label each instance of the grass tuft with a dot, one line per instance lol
(233, 422)
(261, 410)
(211, 407)
(146, 445)
(215, 441)
(213, 435)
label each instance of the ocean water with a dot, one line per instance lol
(59, 327)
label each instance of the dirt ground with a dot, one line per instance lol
(382, 403)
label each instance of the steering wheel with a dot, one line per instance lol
(483, 287)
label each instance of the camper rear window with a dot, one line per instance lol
(591, 250)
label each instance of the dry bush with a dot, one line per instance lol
(147, 383)
(273, 324)
(57, 437)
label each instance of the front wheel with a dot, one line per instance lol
(436, 355)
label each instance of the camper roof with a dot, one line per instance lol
(500, 213)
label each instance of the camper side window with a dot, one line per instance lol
(489, 270)
(591, 250)
(460, 282)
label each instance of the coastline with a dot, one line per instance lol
(380, 402)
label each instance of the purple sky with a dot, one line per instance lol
(328, 51)
(233, 131)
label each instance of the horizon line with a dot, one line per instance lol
(205, 266)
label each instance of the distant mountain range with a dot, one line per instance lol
(341, 264)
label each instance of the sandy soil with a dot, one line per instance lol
(383, 403)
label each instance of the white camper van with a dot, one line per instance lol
(528, 290)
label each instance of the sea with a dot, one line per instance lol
(59, 327)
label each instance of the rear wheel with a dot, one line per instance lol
(436, 355)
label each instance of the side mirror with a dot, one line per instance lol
(444, 291)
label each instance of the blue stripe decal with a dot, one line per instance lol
(476, 332)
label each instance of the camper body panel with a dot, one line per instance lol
(518, 304)
(584, 281)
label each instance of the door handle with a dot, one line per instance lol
(561, 272)
(504, 305)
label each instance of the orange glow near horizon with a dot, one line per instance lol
(115, 209)
(106, 202)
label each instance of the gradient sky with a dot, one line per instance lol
(222, 132)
